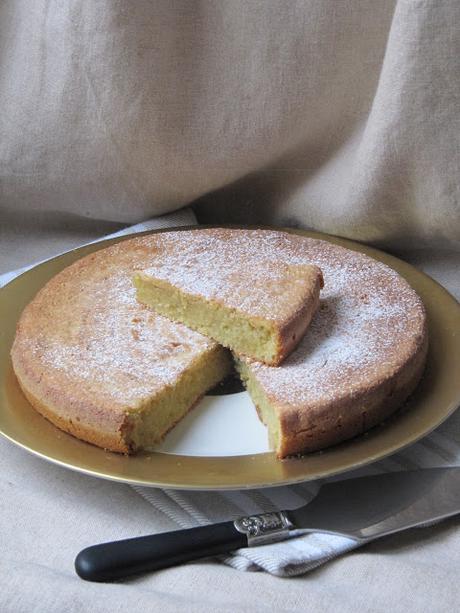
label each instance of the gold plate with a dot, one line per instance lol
(435, 399)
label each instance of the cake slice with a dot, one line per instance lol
(258, 309)
(361, 357)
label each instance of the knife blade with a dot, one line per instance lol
(363, 508)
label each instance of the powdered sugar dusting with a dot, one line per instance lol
(369, 322)
(87, 326)
(254, 276)
(215, 280)
(90, 330)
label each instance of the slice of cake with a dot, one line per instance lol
(361, 357)
(103, 367)
(260, 309)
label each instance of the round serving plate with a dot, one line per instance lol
(191, 456)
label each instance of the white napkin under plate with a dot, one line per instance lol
(302, 553)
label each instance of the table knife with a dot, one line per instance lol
(362, 509)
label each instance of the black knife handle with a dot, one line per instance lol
(118, 559)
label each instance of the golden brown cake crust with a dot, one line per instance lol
(353, 414)
(111, 440)
(293, 330)
(241, 271)
(360, 358)
(87, 354)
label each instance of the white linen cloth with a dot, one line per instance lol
(303, 553)
(341, 116)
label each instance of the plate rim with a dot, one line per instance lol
(283, 467)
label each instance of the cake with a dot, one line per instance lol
(361, 357)
(103, 367)
(113, 372)
(259, 311)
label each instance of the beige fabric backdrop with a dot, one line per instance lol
(341, 115)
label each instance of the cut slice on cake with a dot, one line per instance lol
(259, 309)
(361, 357)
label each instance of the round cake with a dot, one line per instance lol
(112, 372)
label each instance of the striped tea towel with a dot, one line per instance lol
(305, 552)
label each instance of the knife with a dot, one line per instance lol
(361, 509)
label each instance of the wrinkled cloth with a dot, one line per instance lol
(336, 116)
(339, 116)
(305, 552)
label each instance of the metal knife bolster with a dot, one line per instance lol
(265, 528)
